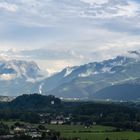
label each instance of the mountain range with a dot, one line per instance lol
(17, 77)
(87, 80)
(117, 79)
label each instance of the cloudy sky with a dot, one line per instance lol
(60, 33)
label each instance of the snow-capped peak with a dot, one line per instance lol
(68, 71)
(11, 69)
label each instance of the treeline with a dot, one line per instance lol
(27, 107)
(26, 116)
(120, 115)
(35, 102)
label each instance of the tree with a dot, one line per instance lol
(41, 127)
(4, 129)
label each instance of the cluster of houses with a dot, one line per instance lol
(54, 119)
(35, 131)
(26, 130)
(47, 118)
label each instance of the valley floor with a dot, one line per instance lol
(95, 132)
(105, 135)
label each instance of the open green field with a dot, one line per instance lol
(10, 123)
(102, 136)
(79, 128)
(96, 132)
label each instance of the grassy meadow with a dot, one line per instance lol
(96, 132)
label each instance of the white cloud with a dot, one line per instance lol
(77, 31)
(8, 7)
(52, 12)
(96, 1)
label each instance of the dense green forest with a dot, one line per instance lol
(27, 108)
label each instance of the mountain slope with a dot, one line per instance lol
(124, 92)
(83, 81)
(18, 69)
(34, 101)
(18, 77)
(21, 77)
